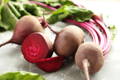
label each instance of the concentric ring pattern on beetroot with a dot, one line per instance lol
(36, 46)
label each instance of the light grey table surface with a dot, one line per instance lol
(12, 60)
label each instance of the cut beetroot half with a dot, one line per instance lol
(51, 64)
(36, 46)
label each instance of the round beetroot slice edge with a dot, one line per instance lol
(35, 47)
(51, 64)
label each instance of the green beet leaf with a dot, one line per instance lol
(18, 0)
(8, 19)
(13, 9)
(71, 11)
(21, 76)
(55, 3)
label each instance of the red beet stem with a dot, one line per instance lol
(98, 17)
(44, 5)
(43, 22)
(102, 39)
(5, 43)
(107, 34)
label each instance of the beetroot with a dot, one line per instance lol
(51, 64)
(68, 40)
(36, 46)
(89, 58)
(25, 26)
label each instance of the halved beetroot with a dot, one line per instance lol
(51, 64)
(36, 46)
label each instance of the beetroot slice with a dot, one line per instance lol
(36, 46)
(51, 64)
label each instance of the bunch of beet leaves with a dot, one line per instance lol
(11, 11)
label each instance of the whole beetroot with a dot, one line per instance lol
(25, 26)
(89, 58)
(68, 40)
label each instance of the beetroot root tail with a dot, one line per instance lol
(5, 43)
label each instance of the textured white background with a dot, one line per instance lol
(12, 60)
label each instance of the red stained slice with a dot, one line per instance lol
(35, 47)
(51, 64)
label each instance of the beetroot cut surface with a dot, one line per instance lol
(35, 47)
(51, 64)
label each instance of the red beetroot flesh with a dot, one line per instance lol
(51, 64)
(35, 47)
